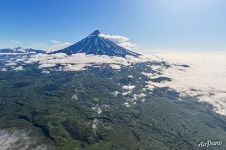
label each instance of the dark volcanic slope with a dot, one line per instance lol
(97, 45)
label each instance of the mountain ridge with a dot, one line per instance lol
(22, 50)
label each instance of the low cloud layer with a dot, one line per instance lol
(80, 61)
(19, 140)
(204, 79)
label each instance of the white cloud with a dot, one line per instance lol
(127, 104)
(204, 79)
(121, 41)
(142, 95)
(115, 93)
(95, 124)
(53, 45)
(19, 68)
(11, 64)
(56, 45)
(3, 69)
(128, 87)
(97, 109)
(46, 72)
(130, 76)
(116, 67)
(20, 140)
(80, 61)
(41, 66)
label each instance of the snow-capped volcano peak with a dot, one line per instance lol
(97, 45)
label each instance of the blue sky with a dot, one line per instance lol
(155, 25)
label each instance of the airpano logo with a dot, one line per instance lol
(210, 143)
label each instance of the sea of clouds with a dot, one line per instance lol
(204, 79)
(202, 76)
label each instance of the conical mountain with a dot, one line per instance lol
(97, 45)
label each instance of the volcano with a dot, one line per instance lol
(97, 45)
